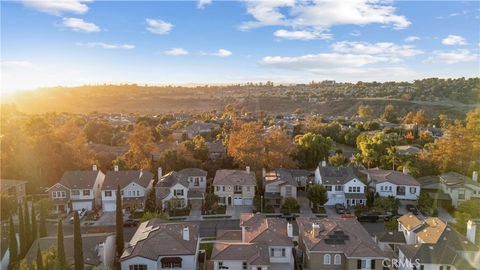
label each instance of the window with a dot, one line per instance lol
(59, 194)
(288, 191)
(238, 188)
(218, 188)
(353, 189)
(244, 266)
(277, 252)
(361, 264)
(178, 192)
(461, 194)
(413, 190)
(86, 192)
(75, 192)
(171, 262)
(121, 192)
(326, 259)
(223, 188)
(259, 268)
(337, 259)
(390, 188)
(329, 188)
(338, 188)
(108, 193)
(137, 267)
(248, 188)
(350, 189)
(440, 267)
(196, 182)
(283, 252)
(138, 192)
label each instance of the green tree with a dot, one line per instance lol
(391, 225)
(290, 205)
(421, 118)
(312, 149)
(39, 258)
(339, 159)
(141, 146)
(364, 111)
(77, 242)
(151, 202)
(34, 224)
(119, 226)
(12, 245)
(390, 114)
(392, 156)
(386, 203)
(317, 194)
(211, 201)
(61, 261)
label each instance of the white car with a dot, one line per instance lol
(81, 215)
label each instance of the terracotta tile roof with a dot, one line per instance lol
(260, 229)
(409, 221)
(254, 254)
(432, 231)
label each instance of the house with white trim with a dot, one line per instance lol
(234, 187)
(388, 183)
(459, 187)
(343, 185)
(77, 191)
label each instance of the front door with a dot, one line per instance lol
(229, 200)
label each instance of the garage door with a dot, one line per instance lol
(237, 201)
(247, 201)
(109, 207)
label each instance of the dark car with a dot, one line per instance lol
(368, 217)
(130, 223)
(391, 217)
(412, 208)
(288, 216)
(340, 209)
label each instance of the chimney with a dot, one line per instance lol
(405, 170)
(475, 176)
(94, 167)
(264, 173)
(248, 169)
(115, 168)
(186, 233)
(141, 173)
(324, 163)
(290, 230)
(160, 173)
(315, 229)
(471, 231)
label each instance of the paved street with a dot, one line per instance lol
(236, 210)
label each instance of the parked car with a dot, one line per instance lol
(412, 208)
(130, 223)
(340, 209)
(368, 217)
(390, 216)
(81, 215)
(288, 216)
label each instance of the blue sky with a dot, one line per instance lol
(75, 42)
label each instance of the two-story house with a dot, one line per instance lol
(172, 185)
(446, 250)
(342, 184)
(262, 243)
(134, 186)
(159, 245)
(77, 191)
(197, 182)
(279, 184)
(392, 183)
(337, 244)
(235, 187)
(420, 231)
(459, 187)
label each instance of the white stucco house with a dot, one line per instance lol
(388, 183)
(342, 184)
(134, 186)
(459, 187)
(77, 190)
(262, 243)
(160, 245)
(235, 187)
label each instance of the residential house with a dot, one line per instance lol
(392, 183)
(279, 184)
(459, 187)
(417, 230)
(197, 182)
(262, 243)
(234, 187)
(98, 249)
(194, 129)
(134, 186)
(343, 185)
(448, 250)
(15, 188)
(77, 191)
(160, 245)
(216, 150)
(336, 244)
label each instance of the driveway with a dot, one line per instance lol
(236, 210)
(305, 210)
(196, 210)
(107, 219)
(331, 212)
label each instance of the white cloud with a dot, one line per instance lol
(386, 49)
(105, 45)
(202, 3)
(176, 52)
(57, 7)
(411, 38)
(80, 25)
(452, 57)
(158, 26)
(355, 33)
(455, 14)
(453, 40)
(302, 35)
(321, 14)
(219, 53)
(17, 64)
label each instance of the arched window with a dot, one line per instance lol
(337, 259)
(326, 259)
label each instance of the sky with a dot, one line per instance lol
(74, 42)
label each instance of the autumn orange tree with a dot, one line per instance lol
(141, 146)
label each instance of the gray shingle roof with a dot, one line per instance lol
(79, 179)
(394, 177)
(336, 175)
(456, 179)
(155, 238)
(124, 178)
(192, 172)
(234, 177)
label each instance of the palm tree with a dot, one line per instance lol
(392, 155)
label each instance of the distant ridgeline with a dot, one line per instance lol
(451, 96)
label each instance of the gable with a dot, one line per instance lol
(57, 187)
(354, 182)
